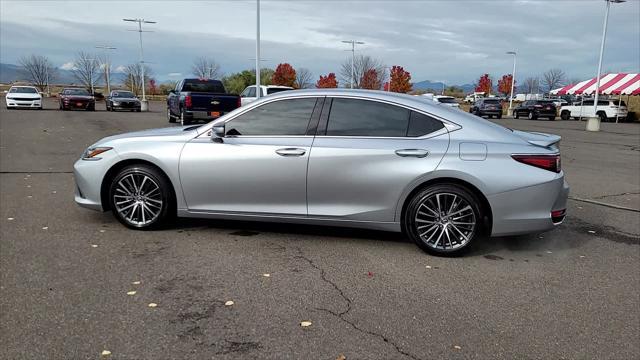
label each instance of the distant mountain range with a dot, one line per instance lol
(10, 73)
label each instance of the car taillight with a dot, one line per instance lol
(557, 216)
(547, 162)
(239, 103)
(187, 101)
(537, 106)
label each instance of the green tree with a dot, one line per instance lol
(235, 83)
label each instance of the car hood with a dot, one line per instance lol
(156, 134)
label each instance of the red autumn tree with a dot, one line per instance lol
(484, 84)
(153, 88)
(400, 80)
(370, 80)
(327, 82)
(284, 75)
(504, 84)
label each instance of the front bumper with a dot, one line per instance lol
(528, 210)
(88, 176)
(24, 103)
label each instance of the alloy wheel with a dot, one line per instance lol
(445, 221)
(138, 199)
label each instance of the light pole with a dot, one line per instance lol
(258, 49)
(353, 57)
(513, 79)
(144, 106)
(593, 122)
(107, 65)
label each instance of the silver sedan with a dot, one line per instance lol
(352, 158)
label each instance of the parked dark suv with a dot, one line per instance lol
(487, 107)
(534, 109)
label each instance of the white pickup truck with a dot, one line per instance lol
(607, 110)
(249, 93)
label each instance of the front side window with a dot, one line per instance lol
(283, 117)
(354, 117)
(252, 92)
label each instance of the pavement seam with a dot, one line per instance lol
(341, 315)
(594, 202)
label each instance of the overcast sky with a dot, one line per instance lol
(441, 40)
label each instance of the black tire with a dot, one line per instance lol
(138, 110)
(515, 114)
(499, 116)
(170, 117)
(531, 115)
(183, 118)
(167, 210)
(490, 116)
(552, 118)
(602, 115)
(455, 193)
(565, 115)
(91, 108)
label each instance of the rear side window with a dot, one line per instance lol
(421, 124)
(284, 117)
(354, 117)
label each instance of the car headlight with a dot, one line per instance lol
(116, 103)
(93, 152)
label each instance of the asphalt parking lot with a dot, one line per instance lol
(66, 272)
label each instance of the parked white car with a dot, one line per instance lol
(472, 98)
(249, 94)
(23, 97)
(607, 110)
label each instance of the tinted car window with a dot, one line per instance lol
(82, 92)
(492, 101)
(352, 117)
(275, 90)
(420, 124)
(252, 92)
(284, 117)
(122, 94)
(206, 86)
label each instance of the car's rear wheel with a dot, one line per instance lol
(442, 219)
(141, 197)
(515, 114)
(602, 115)
(565, 115)
(499, 116)
(183, 118)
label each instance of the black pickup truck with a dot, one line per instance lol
(199, 99)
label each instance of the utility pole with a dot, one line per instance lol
(353, 58)
(107, 65)
(144, 106)
(513, 79)
(258, 91)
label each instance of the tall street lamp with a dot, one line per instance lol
(258, 49)
(593, 122)
(107, 65)
(513, 79)
(353, 57)
(144, 106)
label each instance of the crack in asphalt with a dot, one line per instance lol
(340, 315)
(620, 194)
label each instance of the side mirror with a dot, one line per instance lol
(217, 133)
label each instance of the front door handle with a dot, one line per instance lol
(291, 152)
(420, 153)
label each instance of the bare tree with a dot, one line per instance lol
(304, 78)
(86, 69)
(553, 78)
(131, 77)
(206, 68)
(361, 65)
(530, 85)
(38, 70)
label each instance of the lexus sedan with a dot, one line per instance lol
(26, 97)
(337, 157)
(122, 100)
(76, 98)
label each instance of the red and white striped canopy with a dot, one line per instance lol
(610, 84)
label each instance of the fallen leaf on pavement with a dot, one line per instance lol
(591, 232)
(105, 353)
(581, 256)
(10, 219)
(152, 305)
(45, 227)
(428, 267)
(341, 357)
(370, 274)
(94, 245)
(130, 293)
(457, 347)
(305, 323)
(549, 252)
(229, 303)
(136, 283)
(266, 275)
(102, 231)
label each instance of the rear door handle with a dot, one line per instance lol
(420, 153)
(291, 152)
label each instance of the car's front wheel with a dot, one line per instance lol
(531, 115)
(442, 219)
(141, 197)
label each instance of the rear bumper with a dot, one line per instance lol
(201, 115)
(528, 210)
(491, 112)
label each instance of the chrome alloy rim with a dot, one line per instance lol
(445, 221)
(138, 199)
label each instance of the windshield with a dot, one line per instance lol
(122, 94)
(76, 92)
(447, 100)
(275, 90)
(23, 90)
(206, 86)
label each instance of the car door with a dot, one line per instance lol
(259, 167)
(364, 156)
